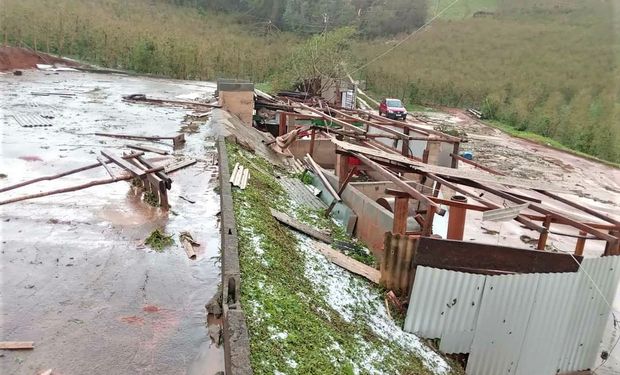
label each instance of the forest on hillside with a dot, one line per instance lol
(546, 66)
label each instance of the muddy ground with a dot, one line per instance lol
(76, 277)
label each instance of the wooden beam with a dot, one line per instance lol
(137, 172)
(304, 228)
(327, 117)
(581, 207)
(348, 263)
(16, 345)
(456, 156)
(148, 149)
(542, 239)
(400, 183)
(63, 174)
(448, 254)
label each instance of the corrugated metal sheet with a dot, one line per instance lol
(239, 176)
(548, 324)
(502, 323)
(31, 120)
(504, 214)
(444, 304)
(526, 324)
(589, 312)
(300, 193)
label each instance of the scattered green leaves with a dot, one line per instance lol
(158, 240)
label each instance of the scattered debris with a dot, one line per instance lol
(158, 240)
(16, 345)
(143, 98)
(177, 140)
(304, 228)
(240, 176)
(187, 200)
(188, 244)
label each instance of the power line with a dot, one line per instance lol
(407, 37)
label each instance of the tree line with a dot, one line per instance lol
(371, 18)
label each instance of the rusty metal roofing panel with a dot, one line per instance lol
(444, 304)
(589, 312)
(502, 323)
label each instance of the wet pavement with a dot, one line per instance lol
(76, 277)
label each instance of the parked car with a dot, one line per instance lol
(392, 108)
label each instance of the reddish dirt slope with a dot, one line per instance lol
(20, 58)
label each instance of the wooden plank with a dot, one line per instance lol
(317, 169)
(16, 345)
(105, 165)
(179, 165)
(123, 163)
(161, 174)
(304, 228)
(459, 255)
(148, 149)
(189, 248)
(348, 263)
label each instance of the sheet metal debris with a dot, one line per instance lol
(301, 193)
(240, 176)
(521, 324)
(32, 120)
(504, 214)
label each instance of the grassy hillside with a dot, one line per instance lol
(550, 70)
(145, 36)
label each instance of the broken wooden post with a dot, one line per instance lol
(188, 244)
(282, 124)
(456, 219)
(581, 242)
(178, 141)
(405, 149)
(427, 230)
(542, 238)
(401, 213)
(342, 167)
(312, 140)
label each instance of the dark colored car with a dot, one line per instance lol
(392, 108)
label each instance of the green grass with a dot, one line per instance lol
(278, 298)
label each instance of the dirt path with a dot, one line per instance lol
(76, 278)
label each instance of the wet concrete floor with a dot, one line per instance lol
(76, 277)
